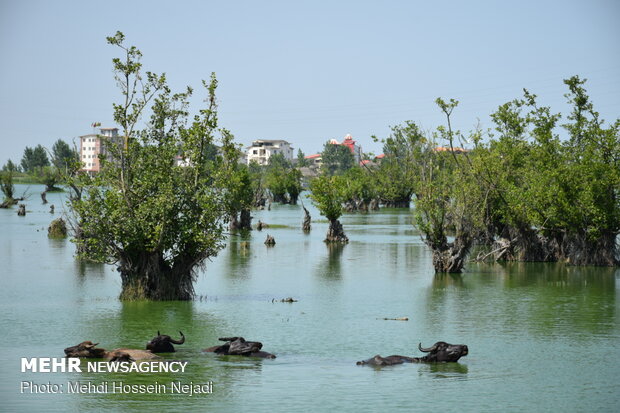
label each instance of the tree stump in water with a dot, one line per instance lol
(245, 221)
(270, 241)
(57, 229)
(306, 224)
(22, 210)
(44, 197)
(450, 256)
(335, 233)
(374, 204)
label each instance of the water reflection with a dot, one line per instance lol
(84, 268)
(537, 298)
(332, 266)
(446, 370)
(239, 252)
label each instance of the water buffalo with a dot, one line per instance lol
(163, 343)
(89, 349)
(237, 346)
(440, 352)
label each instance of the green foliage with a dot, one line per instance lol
(34, 160)
(327, 195)
(359, 186)
(406, 150)
(50, 176)
(63, 156)
(9, 166)
(301, 159)
(336, 159)
(156, 220)
(282, 180)
(6, 185)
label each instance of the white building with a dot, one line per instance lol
(93, 145)
(262, 149)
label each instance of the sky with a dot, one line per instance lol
(303, 71)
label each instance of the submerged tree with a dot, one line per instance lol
(8, 189)
(326, 192)
(406, 150)
(282, 180)
(158, 221)
(447, 201)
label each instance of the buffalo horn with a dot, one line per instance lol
(181, 341)
(426, 350)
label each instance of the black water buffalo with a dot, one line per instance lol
(163, 343)
(440, 352)
(237, 346)
(89, 349)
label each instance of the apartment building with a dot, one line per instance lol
(262, 149)
(95, 144)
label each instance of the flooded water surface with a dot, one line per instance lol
(541, 337)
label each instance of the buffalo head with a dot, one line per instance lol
(85, 349)
(163, 343)
(119, 356)
(443, 352)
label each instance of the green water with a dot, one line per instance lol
(542, 337)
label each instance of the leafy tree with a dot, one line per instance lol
(50, 176)
(359, 189)
(336, 159)
(447, 199)
(259, 187)
(327, 195)
(9, 166)
(282, 180)
(406, 149)
(301, 159)
(35, 159)
(239, 191)
(7, 187)
(63, 155)
(157, 221)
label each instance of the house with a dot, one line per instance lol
(355, 149)
(95, 144)
(262, 149)
(314, 160)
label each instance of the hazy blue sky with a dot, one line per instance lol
(303, 71)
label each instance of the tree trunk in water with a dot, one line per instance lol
(44, 197)
(374, 204)
(524, 244)
(577, 249)
(234, 222)
(397, 203)
(149, 277)
(307, 219)
(450, 256)
(335, 233)
(57, 229)
(246, 220)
